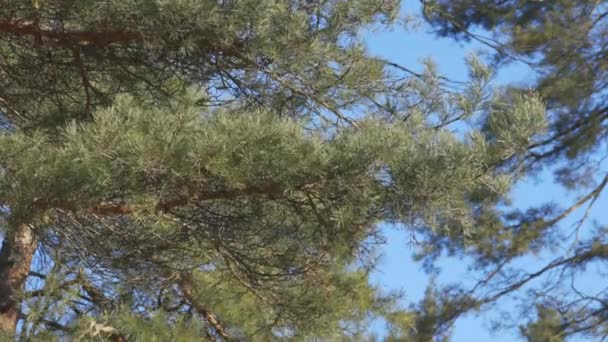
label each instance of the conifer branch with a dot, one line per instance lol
(99, 38)
(185, 284)
(109, 208)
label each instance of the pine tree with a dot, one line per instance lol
(565, 43)
(202, 169)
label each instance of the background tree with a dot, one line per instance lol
(217, 170)
(565, 43)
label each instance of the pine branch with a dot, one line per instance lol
(55, 325)
(96, 296)
(109, 208)
(43, 291)
(64, 38)
(185, 285)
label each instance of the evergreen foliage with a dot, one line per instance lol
(218, 170)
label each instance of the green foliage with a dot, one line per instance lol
(282, 189)
(547, 328)
(513, 126)
(570, 61)
(242, 50)
(202, 169)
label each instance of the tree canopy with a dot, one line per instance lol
(218, 170)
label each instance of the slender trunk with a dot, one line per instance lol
(16, 257)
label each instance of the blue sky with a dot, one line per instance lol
(396, 269)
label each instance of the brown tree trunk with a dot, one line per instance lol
(16, 257)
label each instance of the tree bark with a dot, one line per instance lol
(186, 286)
(16, 256)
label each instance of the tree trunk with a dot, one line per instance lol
(16, 256)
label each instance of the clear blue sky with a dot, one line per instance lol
(397, 270)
